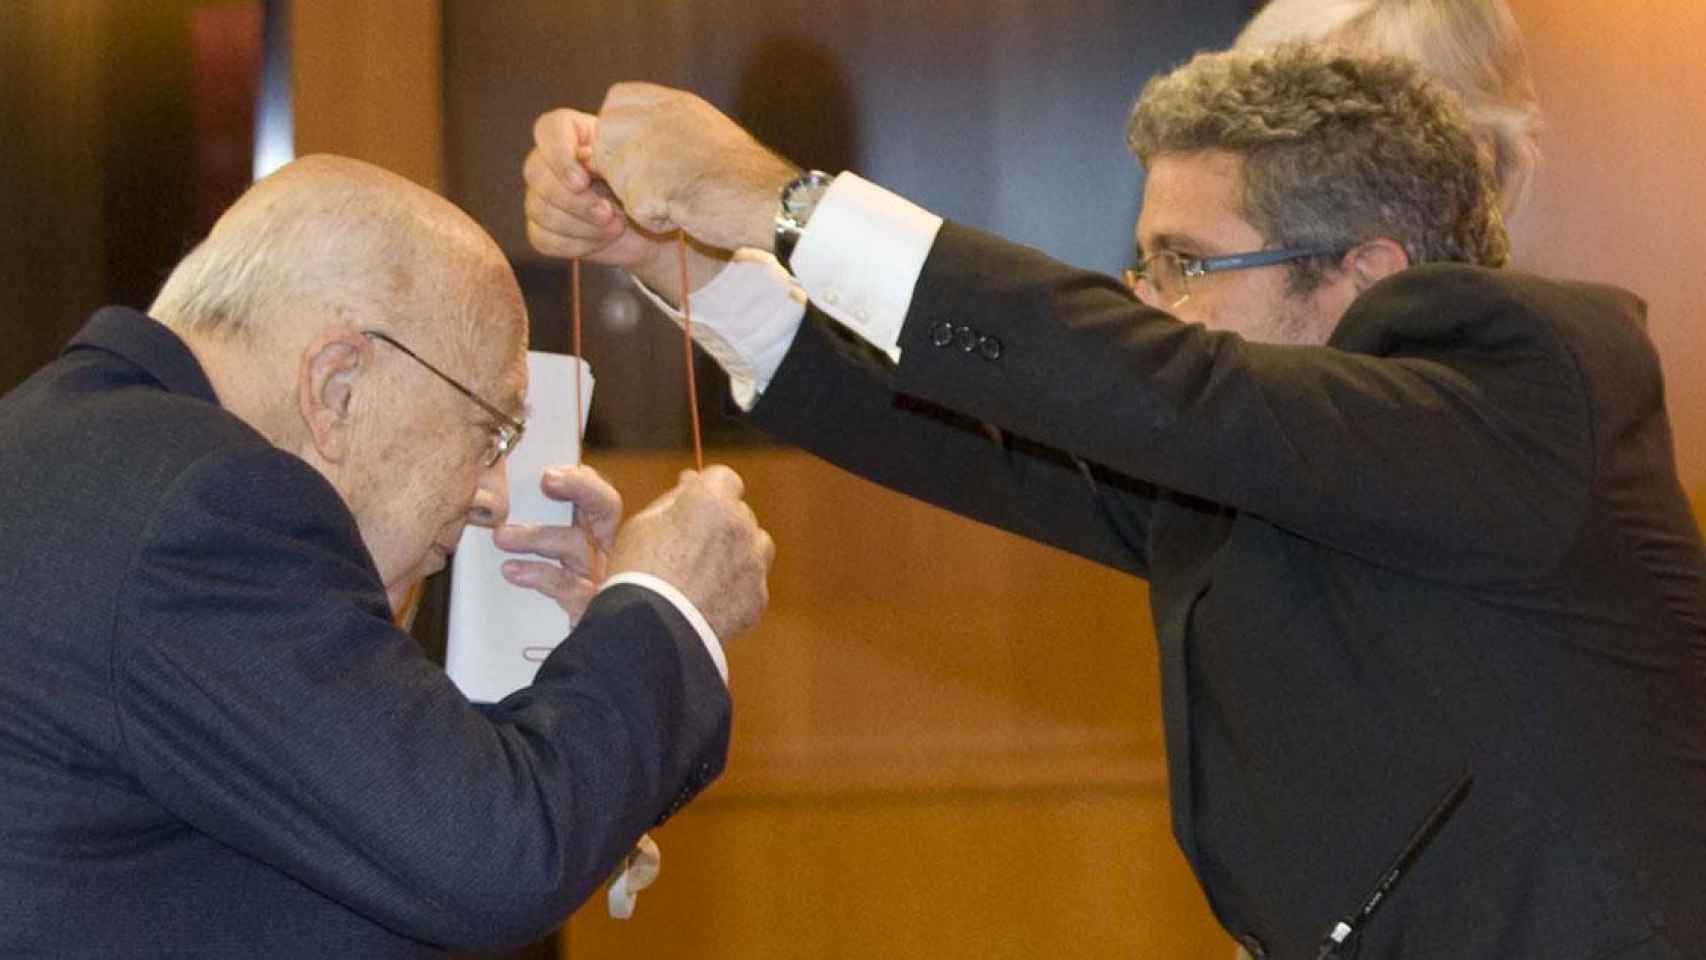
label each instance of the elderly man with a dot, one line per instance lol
(1431, 606)
(213, 740)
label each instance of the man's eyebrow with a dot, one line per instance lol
(1170, 241)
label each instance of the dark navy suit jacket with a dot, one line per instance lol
(214, 742)
(1450, 544)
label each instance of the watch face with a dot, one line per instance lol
(802, 196)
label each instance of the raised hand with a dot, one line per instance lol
(570, 212)
(575, 558)
(677, 162)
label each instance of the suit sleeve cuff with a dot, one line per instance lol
(861, 255)
(679, 600)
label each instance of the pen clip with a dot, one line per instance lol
(1442, 810)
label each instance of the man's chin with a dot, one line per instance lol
(404, 594)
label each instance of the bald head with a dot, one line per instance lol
(328, 240)
(276, 305)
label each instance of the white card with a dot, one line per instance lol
(499, 632)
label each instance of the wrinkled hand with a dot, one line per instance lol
(577, 556)
(704, 540)
(570, 212)
(677, 162)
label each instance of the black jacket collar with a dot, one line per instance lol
(147, 344)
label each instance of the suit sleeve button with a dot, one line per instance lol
(942, 334)
(989, 347)
(966, 339)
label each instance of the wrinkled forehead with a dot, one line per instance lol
(491, 336)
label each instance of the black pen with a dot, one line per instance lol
(1419, 841)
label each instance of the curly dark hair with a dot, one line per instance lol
(1336, 150)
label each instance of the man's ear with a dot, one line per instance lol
(1372, 261)
(325, 388)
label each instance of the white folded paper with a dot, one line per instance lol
(500, 633)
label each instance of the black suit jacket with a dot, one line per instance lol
(213, 741)
(1451, 544)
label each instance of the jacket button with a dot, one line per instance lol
(966, 339)
(942, 334)
(989, 347)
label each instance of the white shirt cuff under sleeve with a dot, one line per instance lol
(679, 600)
(860, 256)
(858, 260)
(745, 318)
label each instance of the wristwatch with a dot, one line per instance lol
(799, 198)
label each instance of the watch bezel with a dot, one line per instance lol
(798, 201)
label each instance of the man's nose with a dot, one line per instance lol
(491, 498)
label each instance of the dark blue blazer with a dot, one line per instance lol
(1448, 547)
(214, 742)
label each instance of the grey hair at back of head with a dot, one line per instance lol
(1473, 46)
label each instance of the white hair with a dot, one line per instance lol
(328, 240)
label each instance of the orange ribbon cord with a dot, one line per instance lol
(575, 334)
(687, 346)
(687, 351)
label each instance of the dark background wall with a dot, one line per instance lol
(121, 137)
(1007, 115)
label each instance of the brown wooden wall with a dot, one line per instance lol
(367, 81)
(947, 745)
(1622, 193)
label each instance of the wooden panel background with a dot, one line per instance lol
(367, 79)
(53, 95)
(947, 744)
(1621, 196)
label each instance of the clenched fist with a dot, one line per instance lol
(677, 162)
(705, 541)
(571, 213)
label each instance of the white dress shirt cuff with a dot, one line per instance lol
(858, 260)
(679, 600)
(745, 318)
(860, 256)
